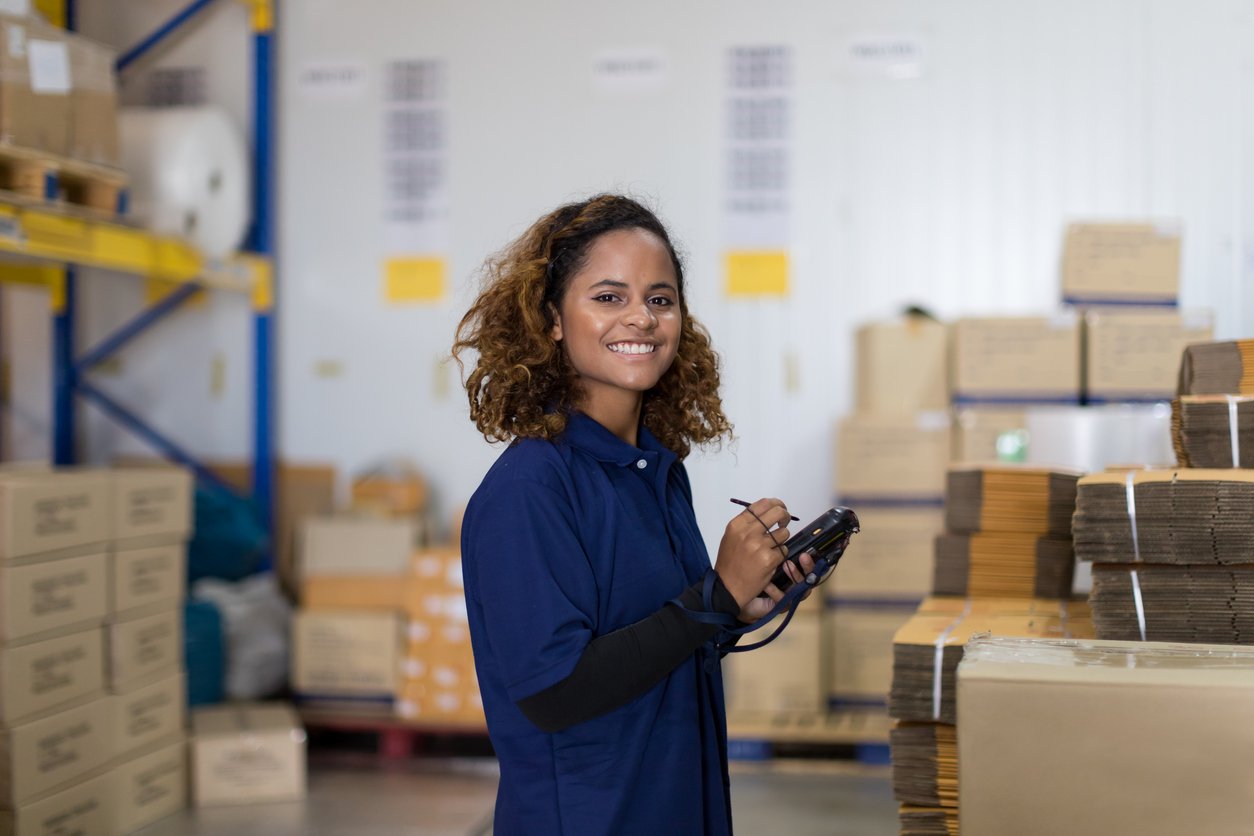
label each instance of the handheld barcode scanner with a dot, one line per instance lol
(828, 537)
(825, 539)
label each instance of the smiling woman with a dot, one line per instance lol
(604, 701)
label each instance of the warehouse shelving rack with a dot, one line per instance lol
(48, 247)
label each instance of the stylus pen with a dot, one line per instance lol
(747, 504)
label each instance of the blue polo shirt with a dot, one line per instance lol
(565, 541)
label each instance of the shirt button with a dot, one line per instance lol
(642, 464)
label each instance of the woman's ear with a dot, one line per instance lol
(556, 331)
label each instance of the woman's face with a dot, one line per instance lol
(619, 319)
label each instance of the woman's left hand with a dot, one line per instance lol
(760, 606)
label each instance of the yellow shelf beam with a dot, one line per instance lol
(45, 236)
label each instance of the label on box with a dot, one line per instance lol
(85, 809)
(48, 596)
(149, 714)
(37, 677)
(49, 66)
(149, 788)
(57, 749)
(152, 501)
(143, 577)
(144, 646)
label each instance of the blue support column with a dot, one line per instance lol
(164, 31)
(64, 376)
(262, 242)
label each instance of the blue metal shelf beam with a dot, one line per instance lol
(114, 343)
(263, 242)
(160, 34)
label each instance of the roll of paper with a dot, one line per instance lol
(189, 174)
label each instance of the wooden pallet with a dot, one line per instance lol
(860, 735)
(37, 178)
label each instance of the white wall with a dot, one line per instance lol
(951, 190)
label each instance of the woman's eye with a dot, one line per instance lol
(661, 301)
(605, 297)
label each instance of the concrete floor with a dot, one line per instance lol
(453, 797)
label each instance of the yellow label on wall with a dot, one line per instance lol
(756, 273)
(414, 279)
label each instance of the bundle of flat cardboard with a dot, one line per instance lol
(1027, 500)
(925, 764)
(1213, 430)
(1179, 517)
(1207, 604)
(1217, 368)
(996, 564)
(928, 821)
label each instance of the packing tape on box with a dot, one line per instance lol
(189, 174)
(1232, 430)
(938, 663)
(1129, 481)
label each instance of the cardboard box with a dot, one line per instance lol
(35, 85)
(1121, 263)
(243, 754)
(425, 633)
(46, 513)
(901, 367)
(303, 490)
(152, 504)
(93, 102)
(885, 458)
(782, 678)
(860, 652)
(149, 714)
(362, 592)
(142, 648)
(1134, 355)
(423, 700)
(38, 678)
(390, 491)
(346, 653)
(438, 569)
(54, 597)
(147, 577)
(989, 434)
(891, 558)
(42, 755)
(85, 809)
(1095, 737)
(149, 787)
(345, 545)
(1017, 359)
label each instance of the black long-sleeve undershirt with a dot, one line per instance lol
(620, 666)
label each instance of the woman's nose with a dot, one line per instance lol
(641, 316)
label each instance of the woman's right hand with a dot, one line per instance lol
(749, 554)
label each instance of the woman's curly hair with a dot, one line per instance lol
(521, 384)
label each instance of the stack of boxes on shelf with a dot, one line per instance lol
(1007, 562)
(93, 704)
(890, 467)
(382, 626)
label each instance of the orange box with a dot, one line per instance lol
(436, 606)
(435, 632)
(365, 592)
(421, 700)
(438, 569)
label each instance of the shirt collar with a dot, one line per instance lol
(586, 434)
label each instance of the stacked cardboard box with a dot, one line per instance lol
(1097, 737)
(1121, 264)
(890, 468)
(58, 91)
(92, 709)
(1133, 355)
(1016, 360)
(383, 627)
(152, 523)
